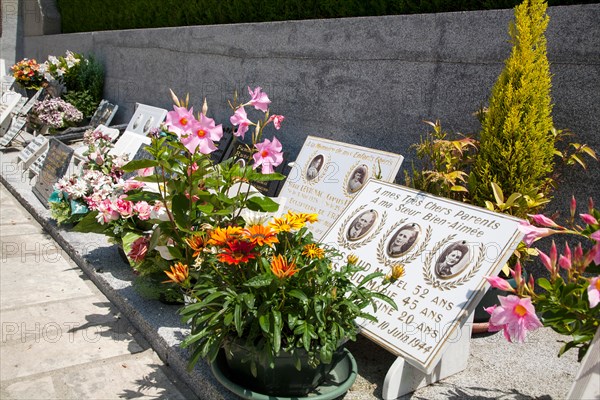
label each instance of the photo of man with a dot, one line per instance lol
(403, 240)
(357, 178)
(314, 167)
(453, 260)
(361, 225)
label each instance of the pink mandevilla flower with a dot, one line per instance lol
(269, 155)
(542, 220)
(533, 233)
(500, 283)
(515, 316)
(240, 119)
(589, 219)
(139, 249)
(593, 291)
(259, 99)
(203, 135)
(277, 120)
(179, 121)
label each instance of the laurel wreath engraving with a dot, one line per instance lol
(448, 285)
(350, 245)
(383, 259)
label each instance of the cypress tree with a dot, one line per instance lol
(517, 146)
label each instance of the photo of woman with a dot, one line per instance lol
(357, 178)
(453, 260)
(314, 167)
(403, 240)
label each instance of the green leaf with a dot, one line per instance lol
(299, 294)
(498, 195)
(139, 164)
(259, 281)
(89, 224)
(180, 205)
(265, 322)
(238, 319)
(277, 324)
(544, 284)
(259, 203)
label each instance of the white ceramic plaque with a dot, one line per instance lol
(32, 151)
(145, 118)
(446, 248)
(327, 175)
(129, 143)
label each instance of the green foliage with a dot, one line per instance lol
(446, 164)
(516, 144)
(85, 86)
(98, 15)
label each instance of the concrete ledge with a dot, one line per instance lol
(495, 367)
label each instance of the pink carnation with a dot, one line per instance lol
(124, 207)
(143, 209)
(132, 184)
(139, 249)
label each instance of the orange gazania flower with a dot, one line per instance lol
(281, 268)
(196, 243)
(237, 252)
(220, 236)
(178, 274)
(261, 235)
(313, 251)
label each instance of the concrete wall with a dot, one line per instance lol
(368, 81)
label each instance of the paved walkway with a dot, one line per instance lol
(61, 337)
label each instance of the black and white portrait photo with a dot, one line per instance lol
(358, 177)
(314, 167)
(361, 225)
(403, 240)
(453, 260)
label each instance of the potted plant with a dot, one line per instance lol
(28, 75)
(568, 300)
(278, 303)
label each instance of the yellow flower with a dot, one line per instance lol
(281, 268)
(260, 235)
(305, 217)
(287, 223)
(397, 273)
(178, 274)
(313, 251)
(219, 236)
(352, 259)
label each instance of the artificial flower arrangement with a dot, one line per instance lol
(568, 301)
(54, 113)
(61, 67)
(271, 286)
(100, 178)
(28, 74)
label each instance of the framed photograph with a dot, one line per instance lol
(361, 225)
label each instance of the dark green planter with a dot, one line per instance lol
(282, 379)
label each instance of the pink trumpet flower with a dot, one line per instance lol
(269, 155)
(515, 316)
(593, 291)
(179, 121)
(533, 233)
(500, 283)
(542, 220)
(240, 119)
(203, 135)
(259, 99)
(589, 219)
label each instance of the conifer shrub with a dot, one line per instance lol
(516, 148)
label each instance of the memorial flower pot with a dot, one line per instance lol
(280, 378)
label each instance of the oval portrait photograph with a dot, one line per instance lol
(403, 240)
(314, 167)
(453, 260)
(358, 177)
(361, 225)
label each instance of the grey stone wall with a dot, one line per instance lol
(368, 81)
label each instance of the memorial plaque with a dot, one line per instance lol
(103, 114)
(327, 175)
(223, 146)
(32, 151)
(145, 118)
(8, 102)
(55, 166)
(446, 249)
(242, 154)
(129, 143)
(15, 129)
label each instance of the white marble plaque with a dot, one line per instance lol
(145, 118)
(8, 101)
(327, 175)
(129, 143)
(446, 248)
(32, 151)
(15, 129)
